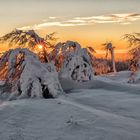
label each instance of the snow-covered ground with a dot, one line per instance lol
(121, 76)
(1, 83)
(109, 111)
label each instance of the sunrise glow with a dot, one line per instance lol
(100, 22)
(40, 46)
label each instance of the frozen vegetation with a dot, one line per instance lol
(28, 77)
(76, 64)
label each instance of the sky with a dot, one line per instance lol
(90, 22)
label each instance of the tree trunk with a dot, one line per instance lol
(113, 61)
(45, 55)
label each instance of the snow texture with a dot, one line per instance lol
(109, 112)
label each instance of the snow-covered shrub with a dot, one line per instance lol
(122, 65)
(135, 71)
(28, 76)
(72, 61)
(135, 65)
(101, 66)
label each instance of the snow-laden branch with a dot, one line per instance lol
(73, 61)
(28, 76)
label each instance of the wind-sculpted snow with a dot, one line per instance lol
(104, 108)
(112, 82)
(91, 114)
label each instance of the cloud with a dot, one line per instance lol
(126, 23)
(61, 24)
(76, 21)
(113, 18)
(123, 19)
(52, 17)
(47, 24)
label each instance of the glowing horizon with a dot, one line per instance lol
(90, 22)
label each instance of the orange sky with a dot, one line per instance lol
(89, 22)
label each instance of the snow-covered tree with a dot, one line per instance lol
(109, 48)
(28, 39)
(72, 61)
(133, 39)
(134, 43)
(62, 50)
(77, 66)
(27, 76)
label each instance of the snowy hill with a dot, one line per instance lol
(108, 111)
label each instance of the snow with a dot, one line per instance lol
(107, 111)
(74, 61)
(28, 76)
(121, 76)
(1, 83)
(77, 66)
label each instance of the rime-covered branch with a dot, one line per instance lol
(29, 77)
